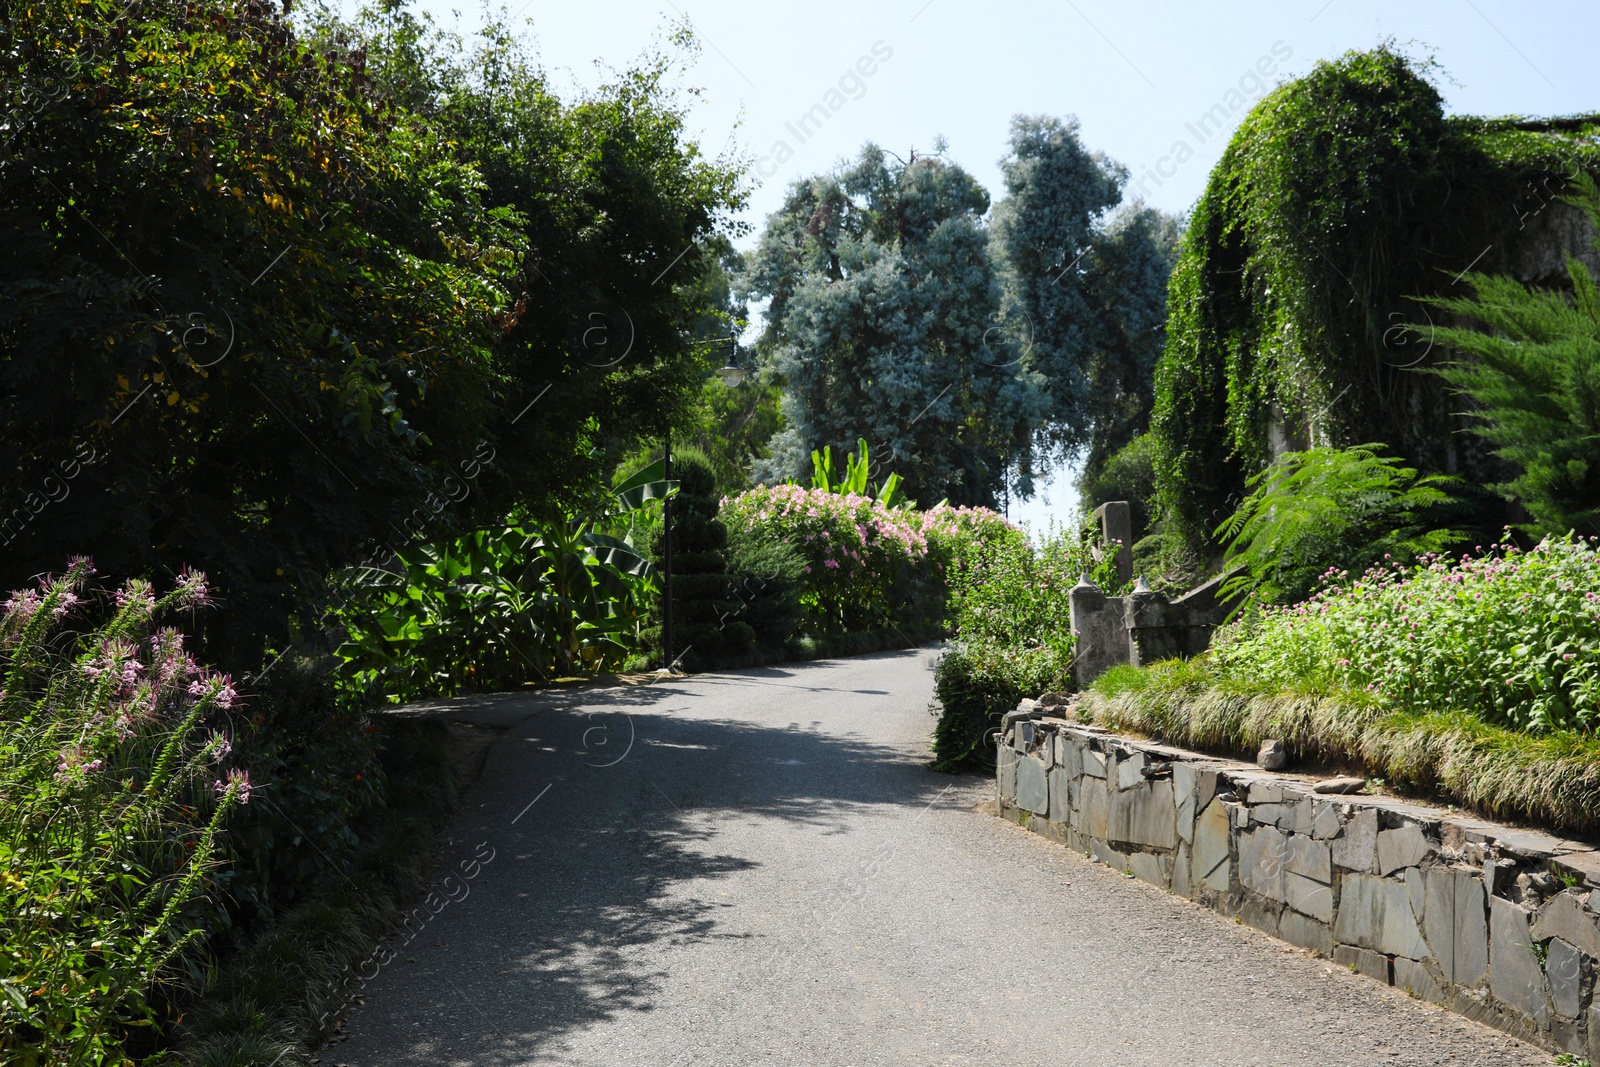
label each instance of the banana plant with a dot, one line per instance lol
(856, 477)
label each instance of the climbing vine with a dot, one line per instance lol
(1344, 196)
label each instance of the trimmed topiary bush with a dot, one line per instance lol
(707, 629)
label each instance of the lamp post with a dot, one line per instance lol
(732, 376)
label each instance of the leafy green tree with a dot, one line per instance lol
(1084, 298)
(1329, 508)
(881, 298)
(1533, 374)
(267, 306)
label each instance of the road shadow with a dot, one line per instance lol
(601, 810)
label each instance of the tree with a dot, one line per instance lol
(880, 322)
(1084, 296)
(271, 303)
(1533, 376)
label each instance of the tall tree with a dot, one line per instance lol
(1083, 296)
(880, 320)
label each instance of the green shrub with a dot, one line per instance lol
(1510, 637)
(1130, 475)
(1011, 615)
(1339, 508)
(706, 627)
(111, 799)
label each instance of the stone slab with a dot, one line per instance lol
(1565, 916)
(1095, 808)
(1356, 849)
(1130, 770)
(1151, 867)
(1060, 785)
(1211, 860)
(1005, 775)
(1144, 815)
(1306, 932)
(1375, 913)
(1455, 923)
(1094, 763)
(1262, 853)
(1308, 897)
(1374, 965)
(1515, 977)
(1311, 859)
(1416, 979)
(1563, 970)
(1180, 873)
(1404, 847)
(1325, 821)
(1033, 790)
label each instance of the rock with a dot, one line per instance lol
(1144, 816)
(1563, 966)
(1310, 859)
(1307, 933)
(1564, 916)
(1027, 709)
(1130, 770)
(1033, 790)
(1357, 848)
(1371, 964)
(1209, 864)
(1152, 868)
(1324, 820)
(1272, 756)
(1514, 973)
(1416, 979)
(1308, 897)
(1404, 847)
(1054, 700)
(1340, 785)
(1376, 913)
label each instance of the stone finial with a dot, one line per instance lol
(1141, 586)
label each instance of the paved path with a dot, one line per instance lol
(758, 868)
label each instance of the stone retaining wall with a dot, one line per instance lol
(1495, 923)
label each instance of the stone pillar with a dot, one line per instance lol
(1151, 635)
(1097, 621)
(1116, 527)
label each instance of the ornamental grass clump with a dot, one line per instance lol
(1472, 679)
(113, 792)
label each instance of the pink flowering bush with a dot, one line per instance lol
(865, 566)
(1510, 637)
(114, 785)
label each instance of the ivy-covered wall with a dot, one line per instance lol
(1343, 196)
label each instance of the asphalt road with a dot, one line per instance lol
(758, 868)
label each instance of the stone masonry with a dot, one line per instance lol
(1495, 923)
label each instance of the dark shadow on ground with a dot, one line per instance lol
(601, 808)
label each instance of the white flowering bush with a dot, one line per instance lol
(113, 789)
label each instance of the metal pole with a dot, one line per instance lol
(666, 544)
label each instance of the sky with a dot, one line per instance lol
(1138, 76)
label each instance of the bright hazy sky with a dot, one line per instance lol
(1137, 75)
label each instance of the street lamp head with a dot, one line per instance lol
(732, 375)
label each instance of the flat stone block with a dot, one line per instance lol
(1033, 790)
(1210, 863)
(1261, 914)
(1325, 822)
(1152, 868)
(1515, 977)
(1093, 763)
(1005, 775)
(1374, 965)
(1311, 859)
(1356, 849)
(1565, 916)
(1144, 816)
(1375, 913)
(1563, 970)
(1071, 755)
(1108, 855)
(1308, 897)
(1130, 770)
(1404, 847)
(1306, 932)
(1180, 872)
(1060, 795)
(1095, 808)
(1456, 923)
(1265, 792)
(1594, 1033)
(1417, 979)
(1262, 854)
(1183, 794)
